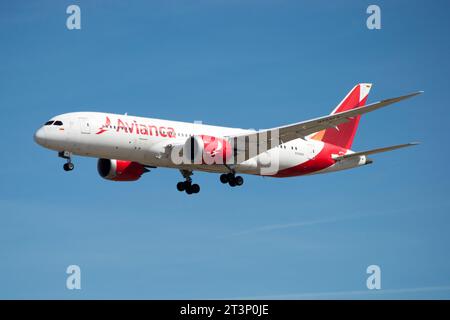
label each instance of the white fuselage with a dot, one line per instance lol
(145, 140)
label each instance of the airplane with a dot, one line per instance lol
(129, 146)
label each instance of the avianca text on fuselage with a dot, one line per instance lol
(320, 145)
(134, 127)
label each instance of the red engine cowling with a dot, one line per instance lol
(204, 149)
(120, 170)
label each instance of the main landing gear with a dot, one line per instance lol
(187, 185)
(231, 179)
(68, 166)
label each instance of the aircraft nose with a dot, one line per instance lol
(39, 136)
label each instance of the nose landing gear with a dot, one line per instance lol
(68, 166)
(231, 179)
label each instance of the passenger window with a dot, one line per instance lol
(48, 123)
(58, 123)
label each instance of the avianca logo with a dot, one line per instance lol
(137, 128)
(104, 127)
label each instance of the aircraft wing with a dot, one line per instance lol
(373, 151)
(302, 129)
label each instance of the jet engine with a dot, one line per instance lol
(204, 149)
(120, 170)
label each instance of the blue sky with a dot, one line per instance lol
(240, 63)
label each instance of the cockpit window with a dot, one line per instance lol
(48, 123)
(58, 123)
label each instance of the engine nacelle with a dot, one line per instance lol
(204, 149)
(120, 170)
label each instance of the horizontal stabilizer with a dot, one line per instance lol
(373, 151)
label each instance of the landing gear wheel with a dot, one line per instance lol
(195, 188)
(181, 186)
(187, 185)
(231, 179)
(239, 180)
(68, 166)
(224, 178)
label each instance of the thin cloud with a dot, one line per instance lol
(337, 294)
(296, 225)
(323, 221)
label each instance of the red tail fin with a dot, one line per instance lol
(344, 133)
